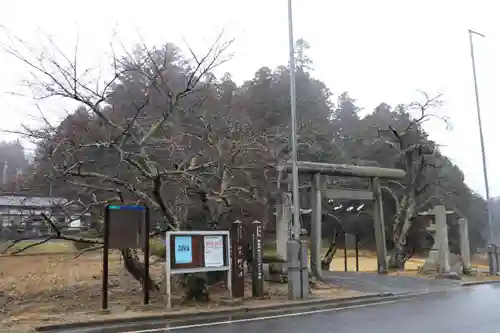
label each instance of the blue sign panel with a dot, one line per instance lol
(183, 250)
(128, 207)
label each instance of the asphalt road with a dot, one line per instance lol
(374, 283)
(460, 310)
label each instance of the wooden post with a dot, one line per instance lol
(356, 244)
(379, 226)
(238, 260)
(345, 251)
(105, 261)
(146, 256)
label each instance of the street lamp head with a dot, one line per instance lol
(472, 32)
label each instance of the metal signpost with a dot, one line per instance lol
(125, 226)
(195, 252)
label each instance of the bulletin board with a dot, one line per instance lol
(197, 251)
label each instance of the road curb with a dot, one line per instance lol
(477, 283)
(208, 314)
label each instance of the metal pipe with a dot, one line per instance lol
(295, 230)
(481, 137)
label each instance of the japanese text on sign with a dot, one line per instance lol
(258, 251)
(214, 251)
(240, 262)
(183, 250)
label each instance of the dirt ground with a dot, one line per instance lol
(367, 262)
(37, 289)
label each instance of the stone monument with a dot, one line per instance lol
(465, 245)
(439, 255)
(440, 258)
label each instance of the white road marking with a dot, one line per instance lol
(225, 322)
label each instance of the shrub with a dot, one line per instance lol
(157, 247)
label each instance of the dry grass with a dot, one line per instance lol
(368, 262)
(49, 247)
(31, 286)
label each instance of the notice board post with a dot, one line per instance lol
(125, 226)
(257, 260)
(195, 252)
(238, 259)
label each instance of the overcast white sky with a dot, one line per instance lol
(377, 50)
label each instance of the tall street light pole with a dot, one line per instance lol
(492, 260)
(293, 115)
(293, 248)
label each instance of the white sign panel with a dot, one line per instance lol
(214, 251)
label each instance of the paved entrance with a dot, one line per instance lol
(374, 283)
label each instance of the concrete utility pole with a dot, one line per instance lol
(294, 280)
(4, 173)
(491, 241)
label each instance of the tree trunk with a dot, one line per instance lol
(401, 225)
(137, 269)
(328, 258)
(397, 259)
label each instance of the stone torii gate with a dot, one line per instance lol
(314, 170)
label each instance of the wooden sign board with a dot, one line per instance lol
(127, 226)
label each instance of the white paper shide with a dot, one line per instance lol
(214, 251)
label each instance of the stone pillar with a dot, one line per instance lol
(316, 226)
(257, 260)
(378, 220)
(493, 259)
(283, 219)
(465, 244)
(442, 239)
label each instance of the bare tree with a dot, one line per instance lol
(416, 155)
(153, 133)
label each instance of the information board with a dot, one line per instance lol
(214, 251)
(197, 251)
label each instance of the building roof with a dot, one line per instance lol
(24, 201)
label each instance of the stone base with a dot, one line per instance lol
(450, 276)
(456, 264)
(278, 272)
(432, 263)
